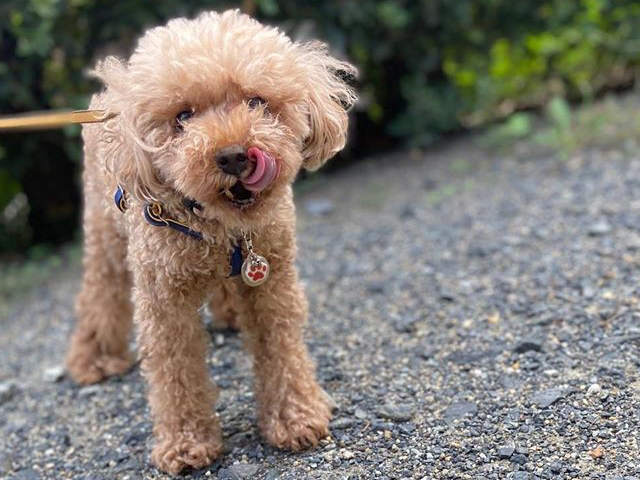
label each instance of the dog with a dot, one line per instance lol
(188, 200)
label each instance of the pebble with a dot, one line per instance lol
(548, 397)
(594, 389)
(347, 454)
(529, 344)
(599, 228)
(402, 412)
(505, 451)
(343, 423)
(88, 391)
(459, 410)
(244, 470)
(8, 390)
(361, 414)
(53, 374)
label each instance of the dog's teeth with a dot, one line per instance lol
(229, 194)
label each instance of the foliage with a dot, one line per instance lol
(427, 67)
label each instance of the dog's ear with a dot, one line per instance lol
(330, 96)
(127, 133)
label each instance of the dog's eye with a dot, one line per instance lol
(182, 118)
(255, 102)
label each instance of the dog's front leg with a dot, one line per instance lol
(294, 411)
(173, 346)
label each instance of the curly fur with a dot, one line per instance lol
(157, 278)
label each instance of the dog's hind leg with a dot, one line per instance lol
(100, 343)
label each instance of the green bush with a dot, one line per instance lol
(427, 67)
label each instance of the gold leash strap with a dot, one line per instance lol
(44, 120)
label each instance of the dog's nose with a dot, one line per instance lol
(232, 160)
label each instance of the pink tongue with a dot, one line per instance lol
(265, 172)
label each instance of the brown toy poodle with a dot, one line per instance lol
(209, 122)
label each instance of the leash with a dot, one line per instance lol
(45, 120)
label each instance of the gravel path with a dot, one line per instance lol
(474, 316)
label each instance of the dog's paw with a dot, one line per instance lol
(178, 452)
(87, 367)
(297, 422)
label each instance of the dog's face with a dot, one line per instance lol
(223, 111)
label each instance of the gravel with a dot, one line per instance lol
(471, 323)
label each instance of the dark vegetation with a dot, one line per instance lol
(428, 67)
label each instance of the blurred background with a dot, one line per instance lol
(428, 68)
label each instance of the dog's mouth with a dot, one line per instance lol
(264, 170)
(239, 196)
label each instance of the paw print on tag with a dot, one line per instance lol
(255, 270)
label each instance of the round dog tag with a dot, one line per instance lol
(255, 270)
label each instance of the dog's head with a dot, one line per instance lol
(224, 111)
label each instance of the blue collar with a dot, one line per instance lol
(154, 215)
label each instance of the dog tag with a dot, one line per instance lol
(255, 270)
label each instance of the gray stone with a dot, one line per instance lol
(528, 344)
(505, 451)
(548, 397)
(27, 474)
(599, 228)
(459, 410)
(88, 391)
(53, 374)
(226, 474)
(401, 412)
(361, 414)
(343, 423)
(8, 390)
(5, 463)
(244, 470)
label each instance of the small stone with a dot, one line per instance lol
(597, 452)
(226, 474)
(548, 397)
(53, 374)
(27, 474)
(594, 389)
(376, 287)
(402, 412)
(5, 463)
(556, 467)
(520, 475)
(319, 206)
(88, 391)
(599, 228)
(361, 414)
(505, 451)
(343, 423)
(347, 454)
(459, 410)
(7, 391)
(244, 470)
(405, 323)
(272, 474)
(529, 344)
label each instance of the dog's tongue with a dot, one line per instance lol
(264, 173)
